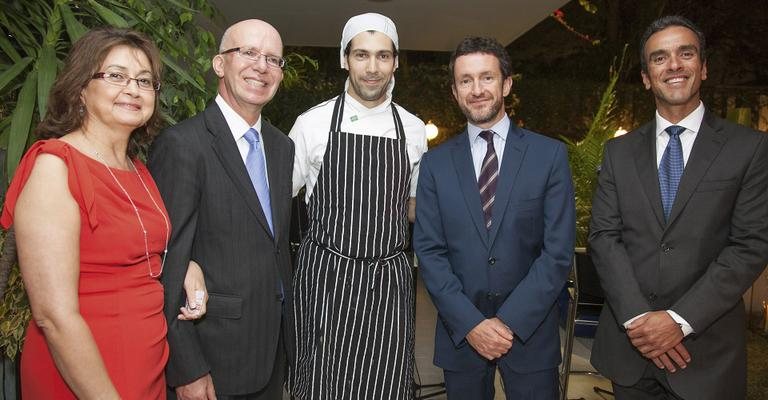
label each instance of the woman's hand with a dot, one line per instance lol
(197, 295)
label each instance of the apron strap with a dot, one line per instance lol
(398, 122)
(338, 111)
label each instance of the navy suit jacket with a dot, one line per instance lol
(515, 270)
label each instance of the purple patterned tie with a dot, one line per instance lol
(489, 176)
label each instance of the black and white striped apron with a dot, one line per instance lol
(353, 286)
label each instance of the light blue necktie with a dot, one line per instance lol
(254, 163)
(671, 169)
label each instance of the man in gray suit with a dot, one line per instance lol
(679, 231)
(225, 177)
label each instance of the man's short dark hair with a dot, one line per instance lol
(471, 45)
(371, 31)
(664, 23)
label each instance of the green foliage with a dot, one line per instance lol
(14, 314)
(585, 155)
(35, 37)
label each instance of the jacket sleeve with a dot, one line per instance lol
(174, 164)
(740, 262)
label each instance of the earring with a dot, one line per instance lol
(81, 110)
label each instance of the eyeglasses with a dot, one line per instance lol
(255, 55)
(120, 79)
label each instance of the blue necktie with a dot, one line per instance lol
(671, 169)
(254, 163)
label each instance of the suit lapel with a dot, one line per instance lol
(226, 150)
(276, 173)
(708, 143)
(645, 162)
(465, 170)
(514, 151)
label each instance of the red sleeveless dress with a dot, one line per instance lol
(120, 302)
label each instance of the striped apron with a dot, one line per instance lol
(353, 286)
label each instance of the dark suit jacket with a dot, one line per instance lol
(516, 270)
(218, 222)
(698, 264)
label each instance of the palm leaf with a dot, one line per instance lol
(20, 122)
(46, 64)
(46, 74)
(5, 129)
(75, 29)
(108, 15)
(11, 73)
(179, 70)
(585, 156)
(8, 49)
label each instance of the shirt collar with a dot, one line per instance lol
(361, 110)
(235, 122)
(501, 128)
(691, 122)
(390, 87)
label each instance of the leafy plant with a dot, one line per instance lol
(35, 37)
(585, 155)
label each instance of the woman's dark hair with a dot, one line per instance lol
(66, 111)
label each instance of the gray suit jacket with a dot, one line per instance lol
(218, 222)
(698, 264)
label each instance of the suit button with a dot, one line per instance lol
(652, 297)
(491, 261)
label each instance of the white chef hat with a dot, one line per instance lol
(366, 22)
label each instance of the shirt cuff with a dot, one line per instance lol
(626, 324)
(684, 325)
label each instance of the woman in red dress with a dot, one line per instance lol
(92, 230)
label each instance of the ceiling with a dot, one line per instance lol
(436, 25)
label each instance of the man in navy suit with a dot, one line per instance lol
(494, 236)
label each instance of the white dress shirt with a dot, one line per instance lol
(479, 146)
(691, 123)
(238, 127)
(310, 136)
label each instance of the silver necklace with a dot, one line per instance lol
(136, 210)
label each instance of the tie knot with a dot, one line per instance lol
(251, 136)
(675, 130)
(487, 135)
